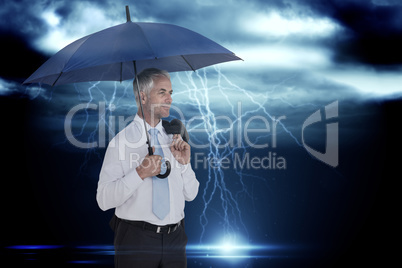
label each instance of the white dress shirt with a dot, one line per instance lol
(120, 186)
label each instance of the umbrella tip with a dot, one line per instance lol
(128, 14)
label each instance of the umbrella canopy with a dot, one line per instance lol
(112, 54)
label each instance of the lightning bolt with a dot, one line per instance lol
(199, 95)
(105, 123)
(215, 184)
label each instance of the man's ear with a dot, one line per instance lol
(143, 97)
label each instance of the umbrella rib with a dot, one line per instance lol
(57, 79)
(146, 39)
(187, 63)
(121, 72)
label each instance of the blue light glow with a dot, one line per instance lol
(96, 247)
(34, 247)
(230, 251)
(105, 250)
(84, 262)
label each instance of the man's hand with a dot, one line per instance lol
(150, 166)
(180, 149)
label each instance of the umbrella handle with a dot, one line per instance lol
(168, 168)
(167, 163)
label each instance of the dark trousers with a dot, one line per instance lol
(138, 247)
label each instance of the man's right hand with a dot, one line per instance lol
(150, 166)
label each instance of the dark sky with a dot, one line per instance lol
(299, 57)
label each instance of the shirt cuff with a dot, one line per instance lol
(187, 170)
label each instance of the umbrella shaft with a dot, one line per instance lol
(150, 152)
(128, 14)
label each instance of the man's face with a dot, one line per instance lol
(157, 104)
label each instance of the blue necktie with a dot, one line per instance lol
(160, 187)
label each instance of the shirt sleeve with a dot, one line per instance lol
(191, 184)
(114, 186)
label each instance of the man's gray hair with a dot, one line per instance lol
(146, 80)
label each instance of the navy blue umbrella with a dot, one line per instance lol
(118, 53)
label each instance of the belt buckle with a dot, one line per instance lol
(158, 230)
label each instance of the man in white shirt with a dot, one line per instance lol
(149, 232)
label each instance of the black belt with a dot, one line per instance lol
(166, 229)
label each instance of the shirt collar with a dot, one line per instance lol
(141, 121)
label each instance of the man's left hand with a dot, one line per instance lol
(181, 150)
